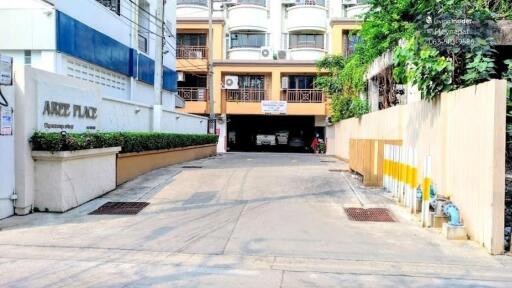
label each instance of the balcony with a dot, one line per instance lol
(307, 46)
(251, 95)
(316, 19)
(192, 52)
(248, 15)
(303, 96)
(248, 95)
(192, 8)
(197, 94)
(357, 11)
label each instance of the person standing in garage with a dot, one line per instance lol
(314, 143)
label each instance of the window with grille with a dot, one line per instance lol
(94, 74)
(27, 57)
(113, 5)
(248, 40)
(306, 41)
(144, 22)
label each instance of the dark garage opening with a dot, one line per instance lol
(295, 133)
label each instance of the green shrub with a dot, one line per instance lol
(345, 107)
(128, 141)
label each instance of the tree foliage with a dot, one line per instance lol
(438, 45)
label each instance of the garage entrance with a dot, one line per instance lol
(271, 133)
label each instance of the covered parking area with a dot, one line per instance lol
(291, 133)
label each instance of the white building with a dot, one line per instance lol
(107, 42)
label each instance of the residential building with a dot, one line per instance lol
(107, 42)
(262, 50)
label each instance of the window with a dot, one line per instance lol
(27, 59)
(310, 2)
(113, 5)
(191, 39)
(301, 82)
(350, 41)
(307, 41)
(251, 81)
(193, 2)
(247, 40)
(262, 3)
(144, 26)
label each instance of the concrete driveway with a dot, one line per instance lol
(242, 220)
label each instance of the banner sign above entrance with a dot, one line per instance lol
(274, 107)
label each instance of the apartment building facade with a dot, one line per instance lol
(264, 54)
(107, 42)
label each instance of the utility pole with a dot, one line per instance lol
(159, 57)
(211, 126)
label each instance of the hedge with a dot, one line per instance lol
(128, 141)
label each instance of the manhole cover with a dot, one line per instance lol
(370, 214)
(192, 167)
(120, 208)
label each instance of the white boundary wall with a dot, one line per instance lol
(464, 134)
(114, 115)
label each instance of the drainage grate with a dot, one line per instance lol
(120, 208)
(191, 167)
(327, 161)
(337, 170)
(370, 214)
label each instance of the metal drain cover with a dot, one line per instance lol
(120, 208)
(192, 167)
(370, 214)
(327, 161)
(337, 170)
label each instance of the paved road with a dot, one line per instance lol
(243, 220)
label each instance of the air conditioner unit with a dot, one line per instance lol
(231, 82)
(282, 55)
(349, 2)
(266, 53)
(285, 81)
(195, 54)
(181, 76)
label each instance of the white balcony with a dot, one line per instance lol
(357, 11)
(307, 17)
(192, 8)
(244, 53)
(248, 17)
(307, 53)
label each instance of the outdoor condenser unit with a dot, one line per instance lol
(285, 82)
(231, 82)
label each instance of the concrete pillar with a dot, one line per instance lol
(373, 95)
(275, 86)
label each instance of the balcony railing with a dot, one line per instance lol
(312, 44)
(193, 2)
(262, 3)
(192, 52)
(193, 94)
(310, 2)
(245, 95)
(303, 96)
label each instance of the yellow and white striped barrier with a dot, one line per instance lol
(400, 174)
(425, 188)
